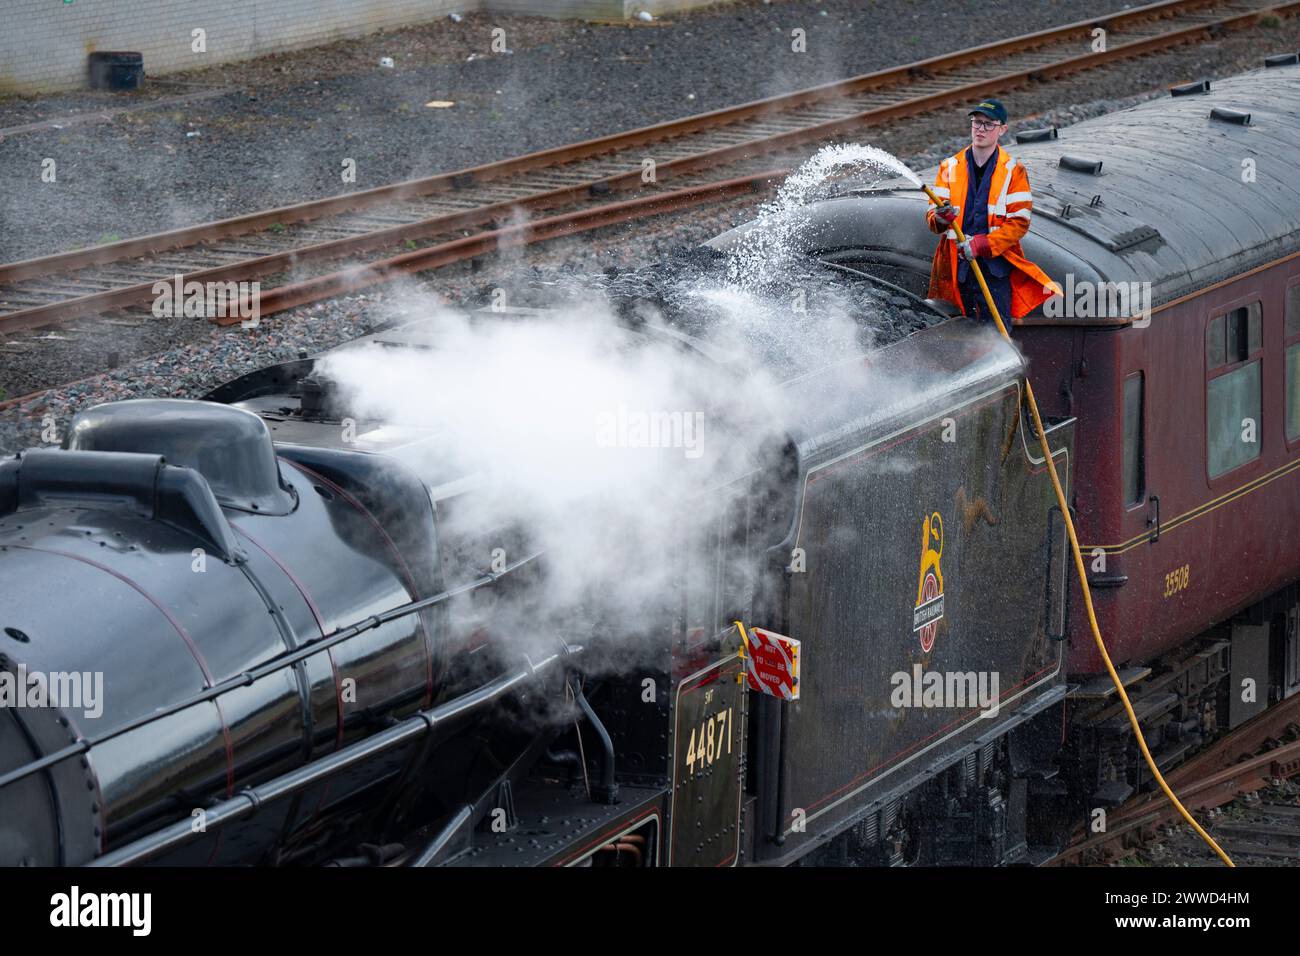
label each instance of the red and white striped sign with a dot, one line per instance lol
(772, 664)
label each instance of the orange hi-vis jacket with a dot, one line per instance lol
(1008, 219)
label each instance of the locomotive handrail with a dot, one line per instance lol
(1064, 634)
(249, 800)
(307, 649)
(434, 847)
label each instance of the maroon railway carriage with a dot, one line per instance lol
(1177, 345)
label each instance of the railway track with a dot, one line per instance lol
(295, 251)
(1260, 830)
(1256, 755)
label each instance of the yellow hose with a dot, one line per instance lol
(1078, 564)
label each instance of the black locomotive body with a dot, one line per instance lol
(721, 775)
(302, 660)
(936, 500)
(169, 580)
(209, 560)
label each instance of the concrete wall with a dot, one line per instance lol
(44, 43)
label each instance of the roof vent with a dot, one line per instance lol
(1230, 116)
(1036, 135)
(1134, 237)
(1080, 164)
(1190, 89)
(1282, 59)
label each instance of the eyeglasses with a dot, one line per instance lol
(982, 125)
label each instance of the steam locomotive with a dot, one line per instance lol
(295, 637)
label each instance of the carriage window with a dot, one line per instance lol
(1232, 337)
(1234, 345)
(1293, 310)
(1232, 419)
(1134, 466)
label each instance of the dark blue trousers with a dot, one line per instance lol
(973, 299)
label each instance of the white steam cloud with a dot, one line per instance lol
(595, 442)
(605, 446)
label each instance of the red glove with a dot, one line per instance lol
(979, 246)
(946, 214)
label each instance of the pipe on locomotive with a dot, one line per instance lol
(607, 790)
(1078, 562)
(308, 648)
(434, 847)
(248, 801)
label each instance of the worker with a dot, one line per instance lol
(989, 191)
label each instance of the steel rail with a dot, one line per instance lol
(361, 275)
(373, 273)
(1228, 768)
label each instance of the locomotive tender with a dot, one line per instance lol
(289, 677)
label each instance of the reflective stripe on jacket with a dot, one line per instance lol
(1008, 219)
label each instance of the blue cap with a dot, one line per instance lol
(993, 109)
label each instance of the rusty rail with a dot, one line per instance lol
(374, 273)
(1224, 771)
